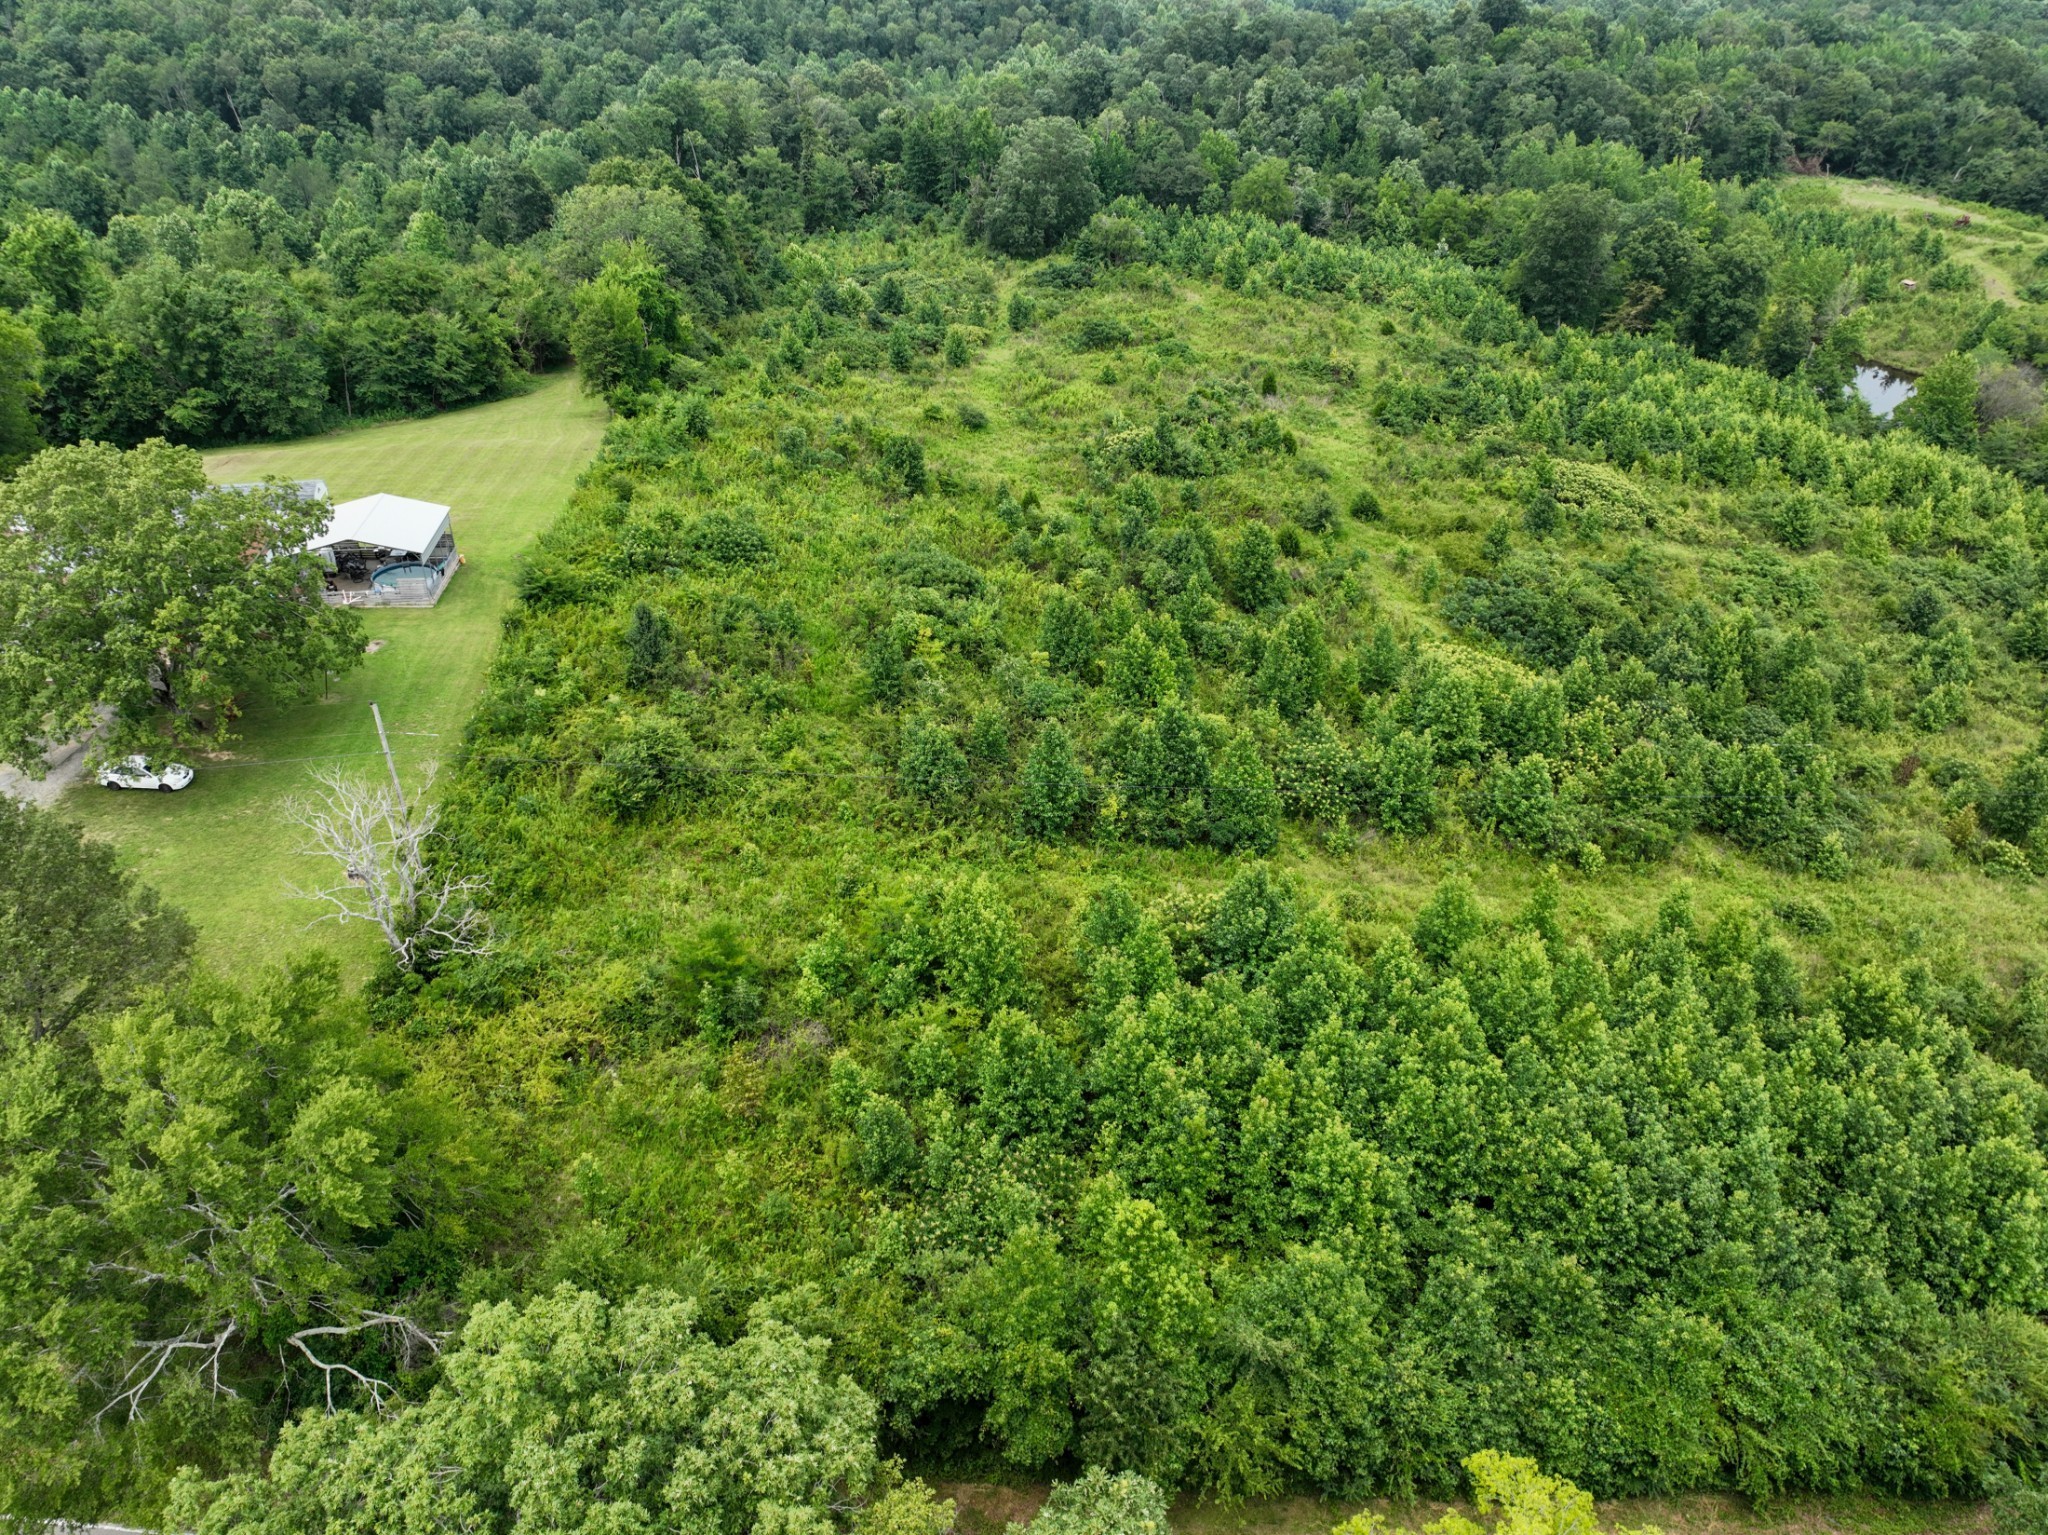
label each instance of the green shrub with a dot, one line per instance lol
(1050, 795)
(1098, 1503)
(1796, 518)
(1101, 333)
(1244, 804)
(772, 1435)
(888, 1144)
(932, 769)
(1830, 860)
(2027, 636)
(720, 538)
(652, 769)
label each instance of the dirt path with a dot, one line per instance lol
(1971, 244)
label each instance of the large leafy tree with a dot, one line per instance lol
(572, 1413)
(1564, 274)
(202, 1201)
(127, 585)
(1943, 408)
(1043, 189)
(20, 355)
(77, 934)
(627, 324)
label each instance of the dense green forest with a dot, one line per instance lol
(231, 224)
(1242, 774)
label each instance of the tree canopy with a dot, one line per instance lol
(129, 586)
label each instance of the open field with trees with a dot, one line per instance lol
(1208, 779)
(224, 848)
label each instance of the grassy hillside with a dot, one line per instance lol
(802, 461)
(1242, 753)
(1977, 268)
(221, 848)
(2002, 245)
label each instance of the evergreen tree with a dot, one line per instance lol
(1383, 662)
(1450, 920)
(1051, 793)
(1244, 804)
(1524, 803)
(886, 670)
(1296, 664)
(903, 462)
(1404, 787)
(1254, 581)
(647, 646)
(933, 770)
(1066, 633)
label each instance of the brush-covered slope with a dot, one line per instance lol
(1256, 871)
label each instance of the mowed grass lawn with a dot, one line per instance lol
(223, 849)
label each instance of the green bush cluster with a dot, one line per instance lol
(1394, 1169)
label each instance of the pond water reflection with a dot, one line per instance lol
(1883, 390)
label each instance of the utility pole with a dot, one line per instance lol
(386, 744)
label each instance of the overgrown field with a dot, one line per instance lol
(1252, 870)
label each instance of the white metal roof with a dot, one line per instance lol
(389, 522)
(305, 490)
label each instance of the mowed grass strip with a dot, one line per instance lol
(224, 849)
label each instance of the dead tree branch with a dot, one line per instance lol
(409, 1337)
(425, 913)
(155, 1357)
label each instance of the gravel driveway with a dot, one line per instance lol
(66, 765)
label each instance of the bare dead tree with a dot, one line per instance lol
(407, 1337)
(154, 1355)
(426, 913)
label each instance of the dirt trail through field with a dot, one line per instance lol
(1970, 243)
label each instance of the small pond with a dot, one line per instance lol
(1883, 390)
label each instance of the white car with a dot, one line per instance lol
(136, 773)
